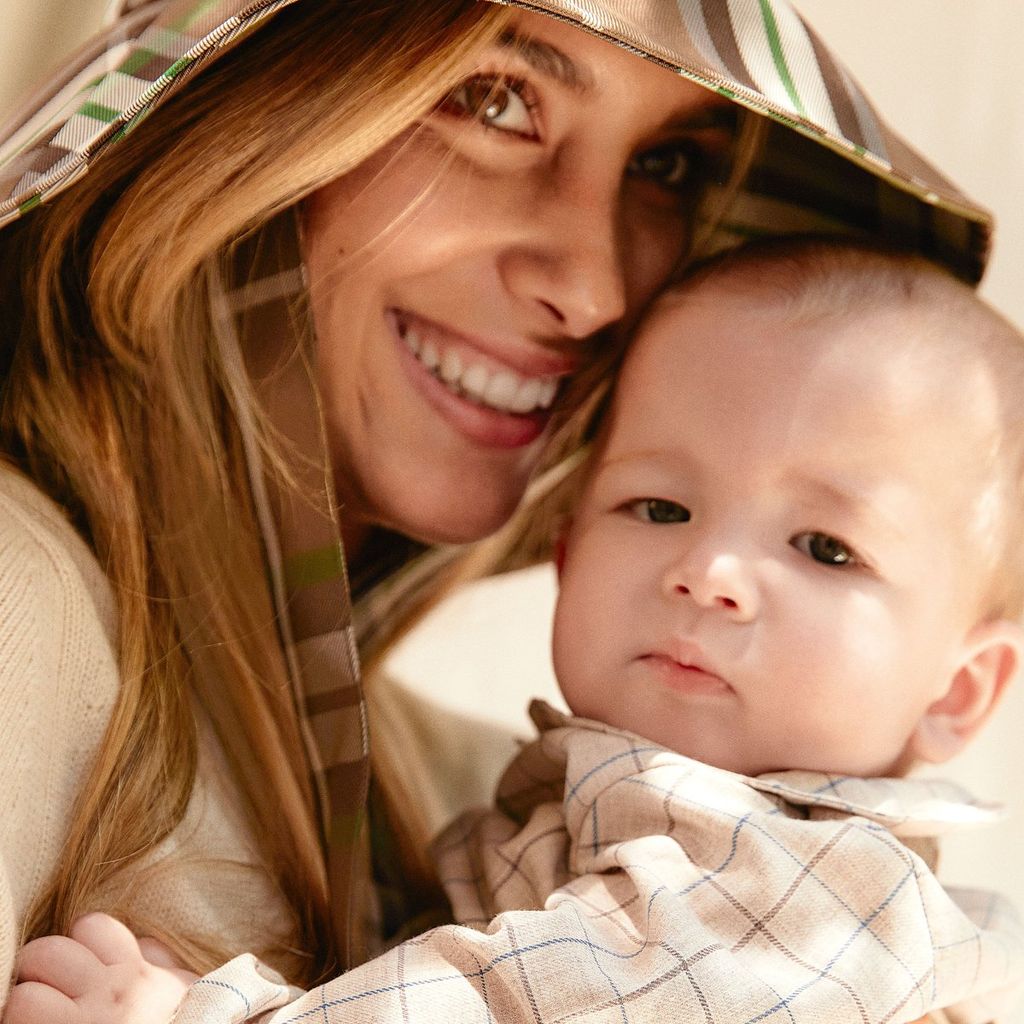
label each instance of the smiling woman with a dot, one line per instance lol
(343, 282)
(464, 268)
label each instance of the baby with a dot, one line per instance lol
(794, 571)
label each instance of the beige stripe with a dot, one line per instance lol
(324, 663)
(267, 289)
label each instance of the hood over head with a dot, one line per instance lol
(829, 154)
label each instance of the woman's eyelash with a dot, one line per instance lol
(673, 165)
(488, 98)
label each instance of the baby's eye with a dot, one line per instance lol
(495, 101)
(825, 549)
(659, 510)
(671, 166)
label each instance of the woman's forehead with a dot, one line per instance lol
(593, 67)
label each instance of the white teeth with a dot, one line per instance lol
(528, 396)
(428, 356)
(502, 389)
(474, 380)
(451, 367)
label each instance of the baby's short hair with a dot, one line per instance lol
(811, 279)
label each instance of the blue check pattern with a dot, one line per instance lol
(618, 882)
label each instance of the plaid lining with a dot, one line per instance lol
(758, 53)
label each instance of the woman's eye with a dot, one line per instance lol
(495, 101)
(825, 549)
(659, 510)
(671, 166)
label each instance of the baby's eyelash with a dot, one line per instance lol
(828, 550)
(657, 510)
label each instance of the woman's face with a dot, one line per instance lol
(460, 275)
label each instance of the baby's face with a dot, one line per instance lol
(771, 566)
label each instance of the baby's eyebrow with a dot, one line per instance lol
(549, 61)
(857, 501)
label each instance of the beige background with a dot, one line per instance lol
(946, 75)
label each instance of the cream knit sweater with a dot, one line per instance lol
(58, 684)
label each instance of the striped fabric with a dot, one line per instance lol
(134, 65)
(265, 300)
(758, 53)
(619, 882)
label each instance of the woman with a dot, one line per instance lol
(337, 269)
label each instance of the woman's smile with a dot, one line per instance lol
(485, 400)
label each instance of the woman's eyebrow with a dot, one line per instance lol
(548, 60)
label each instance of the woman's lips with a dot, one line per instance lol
(685, 677)
(462, 398)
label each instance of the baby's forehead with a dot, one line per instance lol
(886, 322)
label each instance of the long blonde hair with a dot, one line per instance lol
(114, 401)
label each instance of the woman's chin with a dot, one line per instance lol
(478, 514)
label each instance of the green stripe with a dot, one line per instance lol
(30, 204)
(192, 15)
(178, 66)
(137, 60)
(309, 568)
(775, 42)
(99, 112)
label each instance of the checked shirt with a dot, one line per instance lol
(616, 881)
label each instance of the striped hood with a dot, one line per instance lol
(829, 153)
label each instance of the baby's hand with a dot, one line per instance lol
(102, 974)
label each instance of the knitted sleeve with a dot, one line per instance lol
(58, 683)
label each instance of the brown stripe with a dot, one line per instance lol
(152, 69)
(842, 105)
(716, 17)
(333, 700)
(346, 783)
(524, 978)
(318, 609)
(44, 159)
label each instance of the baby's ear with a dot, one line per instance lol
(992, 656)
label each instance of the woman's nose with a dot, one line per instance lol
(567, 265)
(720, 581)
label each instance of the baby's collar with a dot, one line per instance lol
(907, 807)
